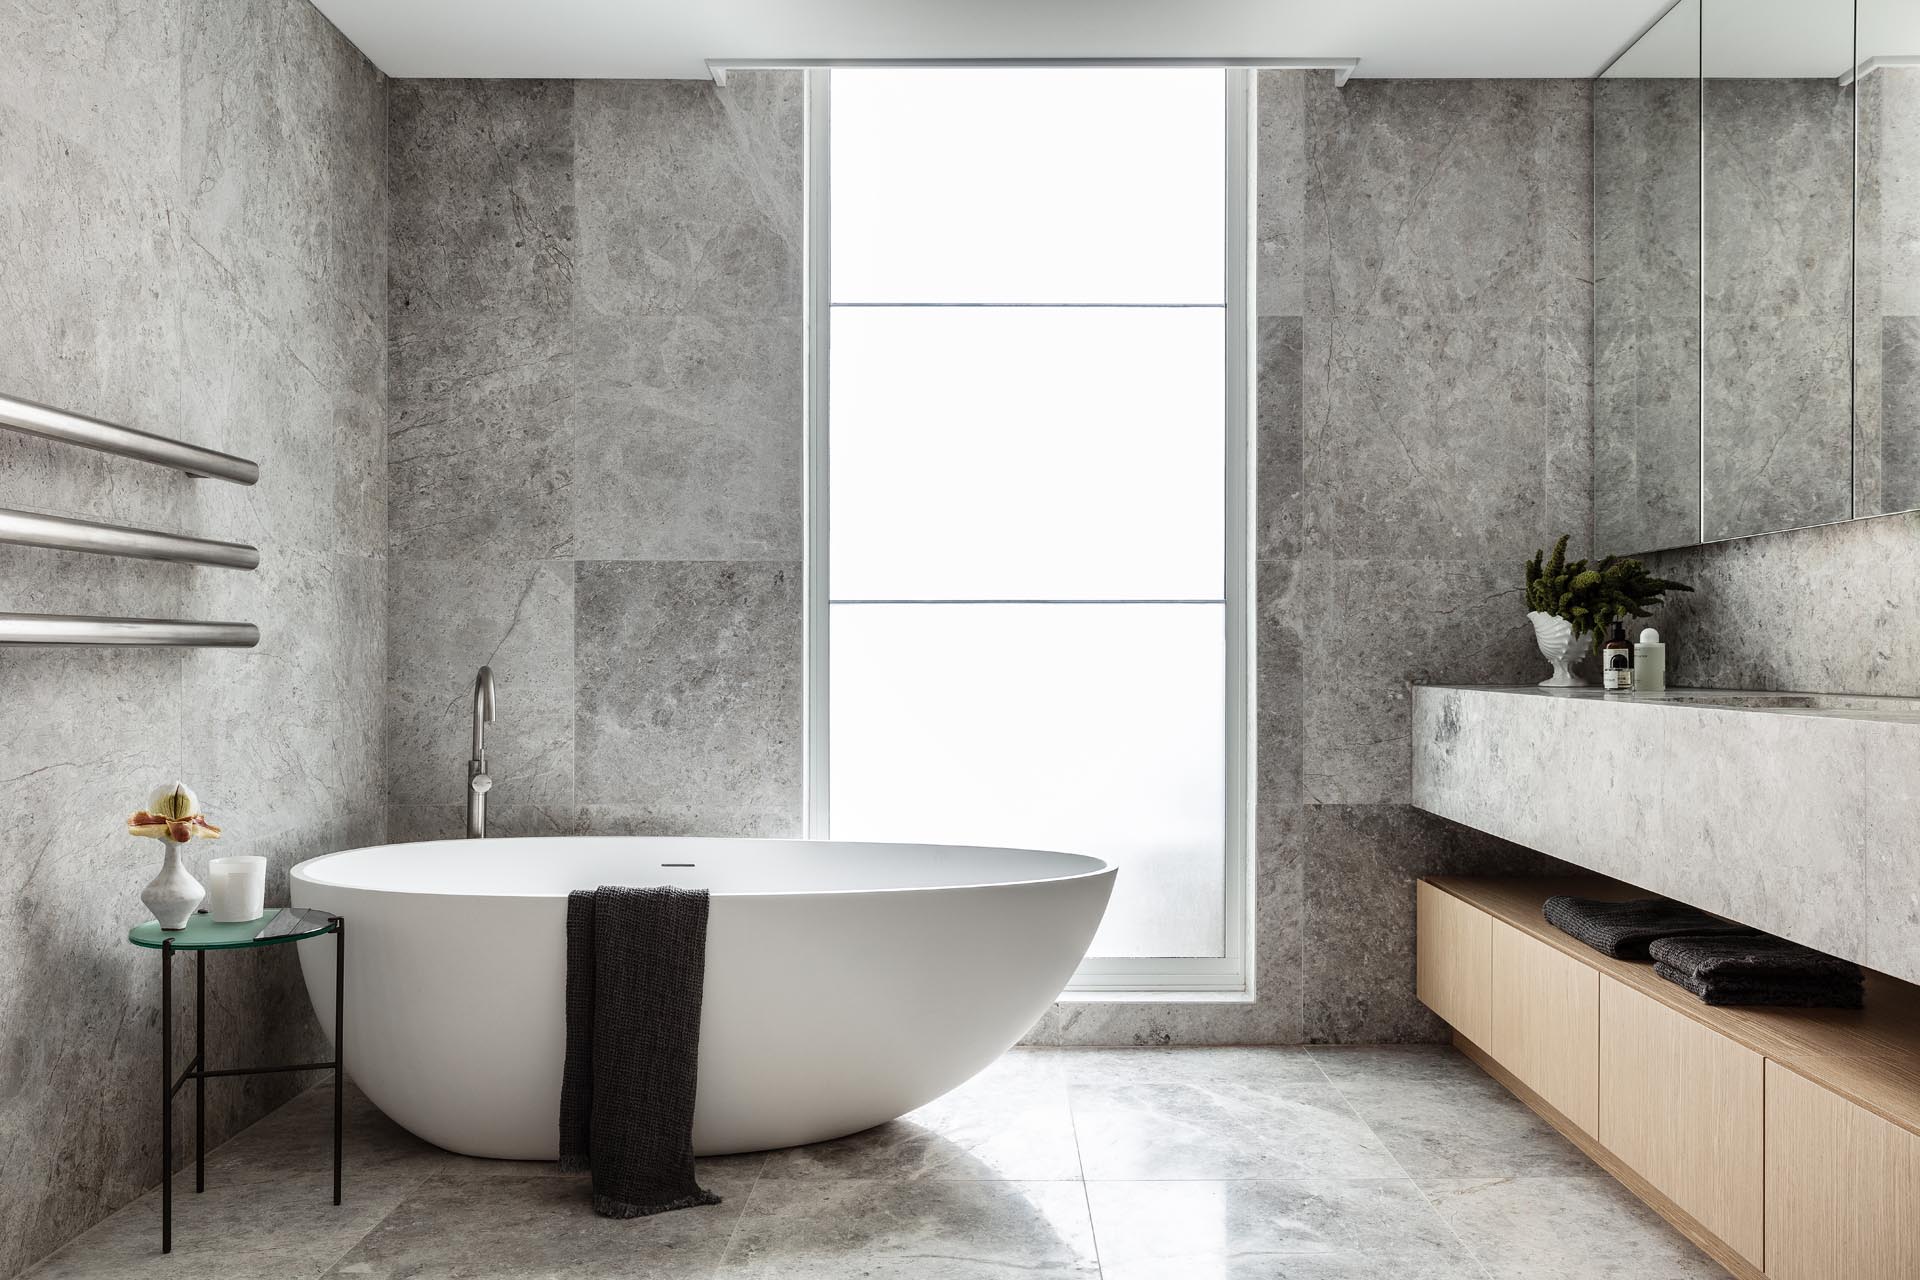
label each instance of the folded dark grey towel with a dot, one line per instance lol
(1624, 930)
(1782, 992)
(1744, 970)
(636, 968)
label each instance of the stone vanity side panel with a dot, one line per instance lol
(597, 447)
(1715, 807)
(196, 193)
(1423, 365)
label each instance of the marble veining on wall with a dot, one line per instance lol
(202, 184)
(596, 453)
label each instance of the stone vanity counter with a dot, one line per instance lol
(1795, 813)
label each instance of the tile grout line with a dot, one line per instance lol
(1080, 1161)
(1473, 1255)
(720, 1262)
(400, 1202)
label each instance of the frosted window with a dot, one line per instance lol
(1026, 441)
(1028, 186)
(1027, 453)
(1091, 728)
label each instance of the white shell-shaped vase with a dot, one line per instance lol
(174, 895)
(1560, 646)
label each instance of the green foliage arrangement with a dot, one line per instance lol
(1593, 596)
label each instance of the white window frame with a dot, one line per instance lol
(1227, 976)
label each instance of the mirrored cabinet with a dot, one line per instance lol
(1757, 271)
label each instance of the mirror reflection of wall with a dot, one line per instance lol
(1887, 302)
(1777, 169)
(1646, 191)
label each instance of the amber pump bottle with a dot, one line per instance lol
(1616, 661)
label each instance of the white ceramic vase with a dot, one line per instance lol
(1560, 646)
(174, 895)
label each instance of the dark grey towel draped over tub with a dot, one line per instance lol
(636, 966)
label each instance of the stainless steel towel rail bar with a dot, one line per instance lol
(60, 533)
(54, 628)
(92, 433)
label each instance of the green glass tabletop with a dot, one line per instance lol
(204, 933)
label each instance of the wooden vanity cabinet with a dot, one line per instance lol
(1546, 1023)
(1453, 955)
(1843, 1187)
(1784, 1142)
(1685, 1108)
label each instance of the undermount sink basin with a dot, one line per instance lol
(1811, 700)
(1857, 704)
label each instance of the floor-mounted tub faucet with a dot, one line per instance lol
(478, 783)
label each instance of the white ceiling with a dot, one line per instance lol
(672, 39)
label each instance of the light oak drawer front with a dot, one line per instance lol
(1453, 954)
(1843, 1187)
(1685, 1107)
(1546, 1023)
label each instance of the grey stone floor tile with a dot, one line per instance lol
(830, 1230)
(1576, 1228)
(1160, 1132)
(1442, 1117)
(1012, 1121)
(1446, 1132)
(285, 1228)
(1310, 1130)
(1360, 1066)
(1249, 1067)
(1313, 1227)
(1222, 1130)
(539, 1226)
(1209, 1164)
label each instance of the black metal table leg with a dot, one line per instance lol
(195, 938)
(339, 1041)
(166, 1096)
(199, 1069)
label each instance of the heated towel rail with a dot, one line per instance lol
(64, 533)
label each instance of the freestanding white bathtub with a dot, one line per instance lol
(846, 983)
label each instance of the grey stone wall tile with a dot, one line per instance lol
(90, 315)
(689, 437)
(481, 295)
(1279, 430)
(448, 618)
(1280, 219)
(284, 164)
(1448, 196)
(205, 187)
(1357, 905)
(689, 689)
(1372, 627)
(1429, 436)
(689, 199)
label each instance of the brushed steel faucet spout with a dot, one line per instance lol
(478, 782)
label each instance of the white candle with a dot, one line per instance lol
(239, 888)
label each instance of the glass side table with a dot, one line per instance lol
(204, 934)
